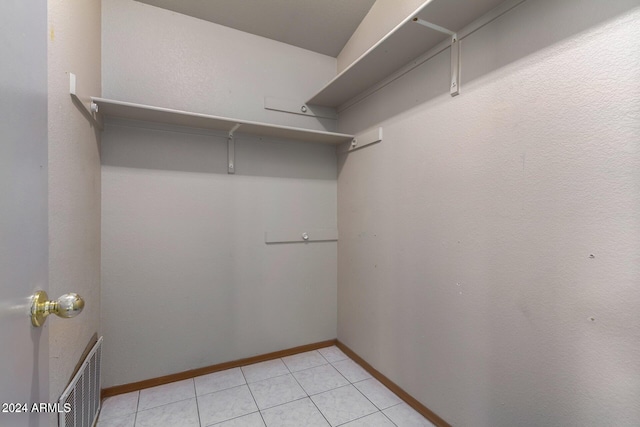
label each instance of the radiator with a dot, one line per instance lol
(83, 393)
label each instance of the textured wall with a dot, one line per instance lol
(489, 246)
(187, 278)
(176, 61)
(74, 182)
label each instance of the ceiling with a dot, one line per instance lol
(323, 26)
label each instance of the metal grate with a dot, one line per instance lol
(83, 393)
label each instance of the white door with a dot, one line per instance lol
(24, 375)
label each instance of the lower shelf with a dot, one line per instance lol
(128, 110)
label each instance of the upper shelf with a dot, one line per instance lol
(128, 110)
(405, 42)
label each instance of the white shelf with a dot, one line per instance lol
(404, 43)
(128, 110)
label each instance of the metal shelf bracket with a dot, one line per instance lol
(454, 89)
(89, 110)
(369, 137)
(231, 150)
(455, 65)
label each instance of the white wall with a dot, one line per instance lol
(187, 278)
(158, 57)
(74, 183)
(489, 246)
(383, 16)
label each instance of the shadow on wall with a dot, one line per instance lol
(140, 145)
(501, 42)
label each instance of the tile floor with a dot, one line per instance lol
(316, 388)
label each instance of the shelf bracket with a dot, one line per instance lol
(293, 107)
(372, 136)
(231, 150)
(455, 66)
(454, 89)
(90, 111)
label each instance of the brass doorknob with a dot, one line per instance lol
(68, 305)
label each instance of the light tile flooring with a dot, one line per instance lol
(316, 388)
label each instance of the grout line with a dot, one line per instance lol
(365, 396)
(338, 370)
(383, 386)
(253, 397)
(337, 388)
(359, 418)
(387, 417)
(197, 404)
(165, 404)
(300, 385)
(135, 417)
(306, 369)
(307, 354)
(336, 361)
(231, 419)
(324, 357)
(393, 406)
(285, 364)
(309, 396)
(276, 376)
(103, 417)
(224, 389)
(282, 404)
(265, 379)
(321, 413)
(329, 361)
(313, 367)
(374, 378)
(341, 374)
